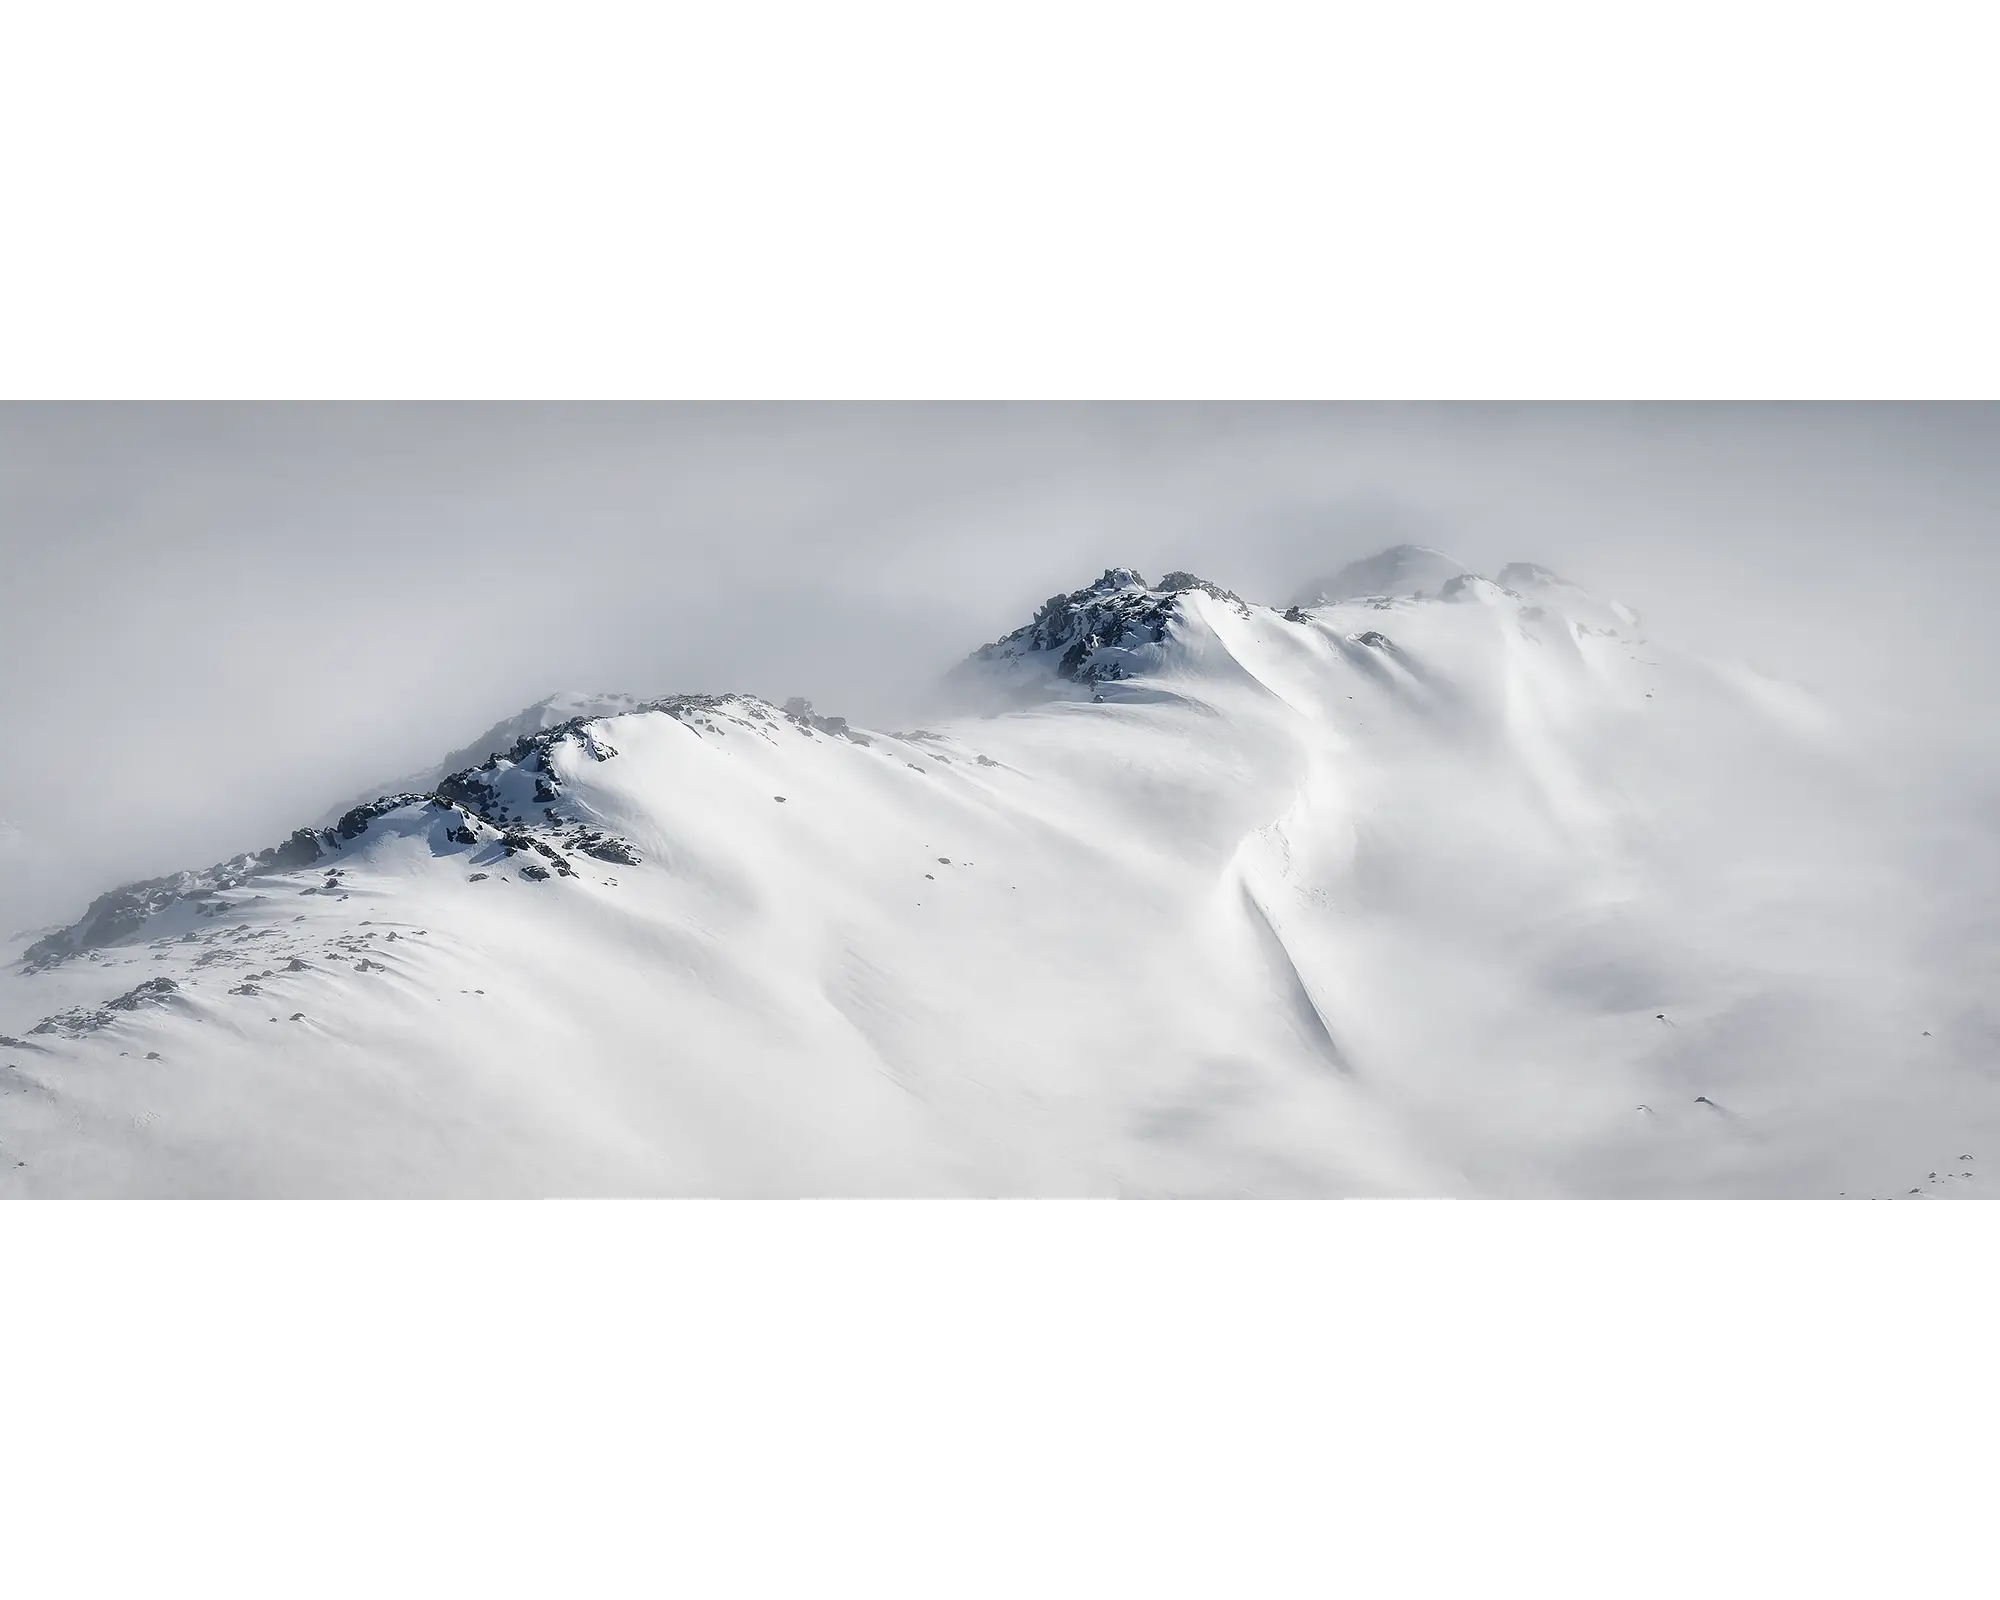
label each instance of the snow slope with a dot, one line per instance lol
(1471, 890)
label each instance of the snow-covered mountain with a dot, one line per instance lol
(1404, 569)
(1444, 885)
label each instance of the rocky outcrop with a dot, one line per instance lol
(121, 912)
(518, 843)
(79, 1020)
(799, 712)
(1179, 582)
(1096, 634)
(355, 823)
(1117, 612)
(603, 847)
(474, 797)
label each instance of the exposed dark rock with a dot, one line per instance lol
(153, 991)
(302, 849)
(1178, 582)
(122, 912)
(518, 843)
(469, 790)
(603, 847)
(800, 713)
(108, 918)
(1294, 614)
(539, 874)
(355, 823)
(79, 1020)
(1374, 640)
(1118, 612)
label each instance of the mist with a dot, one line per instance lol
(218, 620)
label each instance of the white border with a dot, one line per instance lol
(888, 198)
(916, 1398)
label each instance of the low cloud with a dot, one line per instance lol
(219, 619)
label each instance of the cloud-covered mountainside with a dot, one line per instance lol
(1428, 884)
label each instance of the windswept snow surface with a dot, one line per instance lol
(1468, 891)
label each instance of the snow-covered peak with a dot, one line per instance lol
(552, 711)
(1530, 574)
(1403, 569)
(516, 787)
(1105, 631)
(1539, 586)
(1417, 572)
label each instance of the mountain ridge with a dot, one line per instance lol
(1440, 893)
(1090, 632)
